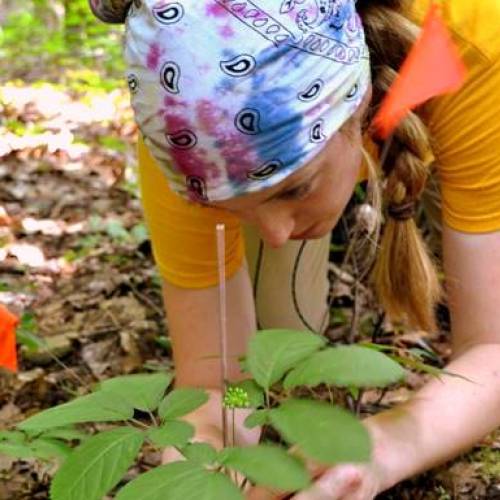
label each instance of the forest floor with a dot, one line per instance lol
(76, 266)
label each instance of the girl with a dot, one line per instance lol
(253, 115)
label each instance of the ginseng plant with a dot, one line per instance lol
(141, 410)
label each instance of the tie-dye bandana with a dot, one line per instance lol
(233, 96)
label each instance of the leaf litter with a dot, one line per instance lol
(76, 266)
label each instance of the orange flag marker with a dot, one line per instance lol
(433, 67)
(8, 354)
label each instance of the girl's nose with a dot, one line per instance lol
(275, 229)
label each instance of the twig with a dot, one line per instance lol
(355, 315)
(145, 298)
(102, 331)
(61, 363)
(385, 150)
(384, 391)
(340, 274)
(357, 405)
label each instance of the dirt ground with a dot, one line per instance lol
(76, 265)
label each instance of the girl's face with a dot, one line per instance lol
(308, 203)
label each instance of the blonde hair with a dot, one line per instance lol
(404, 274)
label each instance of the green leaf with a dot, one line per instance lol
(25, 333)
(272, 353)
(424, 354)
(97, 407)
(325, 433)
(267, 465)
(354, 392)
(30, 341)
(258, 417)
(346, 366)
(112, 143)
(254, 391)
(378, 347)
(142, 391)
(12, 436)
(140, 233)
(419, 366)
(97, 465)
(47, 448)
(180, 481)
(172, 433)
(180, 402)
(200, 453)
(16, 450)
(66, 434)
(116, 230)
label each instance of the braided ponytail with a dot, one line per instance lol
(111, 11)
(404, 275)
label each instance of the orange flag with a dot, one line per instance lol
(8, 323)
(433, 67)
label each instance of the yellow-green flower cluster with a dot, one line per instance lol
(236, 397)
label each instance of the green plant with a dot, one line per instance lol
(58, 34)
(138, 411)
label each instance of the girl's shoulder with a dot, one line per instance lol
(464, 125)
(475, 24)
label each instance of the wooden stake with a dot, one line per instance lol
(221, 263)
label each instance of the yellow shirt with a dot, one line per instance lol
(465, 129)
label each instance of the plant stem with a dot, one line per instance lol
(357, 405)
(139, 423)
(330, 394)
(153, 418)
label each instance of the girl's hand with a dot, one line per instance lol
(345, 482)
(207, 421)
(342, 482)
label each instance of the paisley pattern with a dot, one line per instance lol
(168, 14)
(233, 96)
(170, 75)
(247, 121)
(239, 66)
(317, 134)
(265, 171)
(183, 139)
(312, 91)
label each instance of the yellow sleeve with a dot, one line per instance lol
(465, 128)
(183, 233)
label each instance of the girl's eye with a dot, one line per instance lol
(297, 193)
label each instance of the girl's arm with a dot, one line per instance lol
(194, 328)
(450, 415)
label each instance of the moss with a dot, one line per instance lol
(488, 462)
